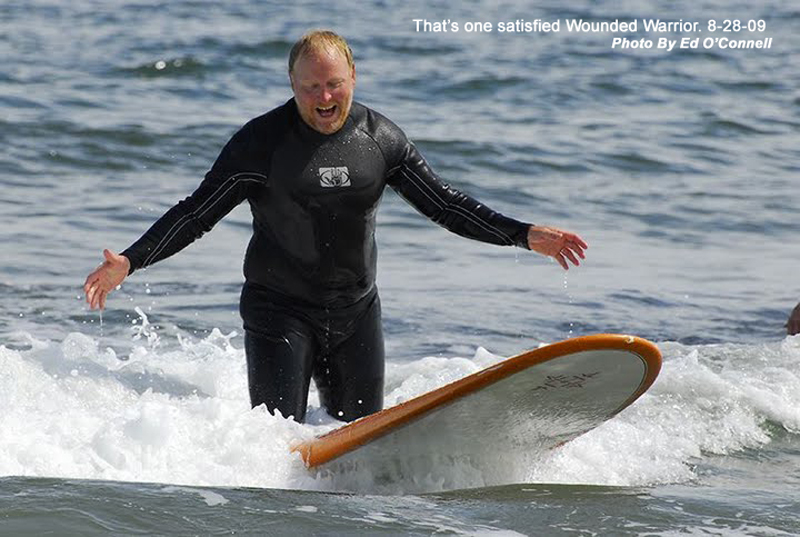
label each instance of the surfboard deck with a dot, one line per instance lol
(536, 400)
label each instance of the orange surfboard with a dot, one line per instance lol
(536, 400)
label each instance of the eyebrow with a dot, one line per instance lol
(312, 82)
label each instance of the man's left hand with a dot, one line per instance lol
(556, 243)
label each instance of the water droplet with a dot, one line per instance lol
(570, 300)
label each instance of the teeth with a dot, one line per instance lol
(324, 109)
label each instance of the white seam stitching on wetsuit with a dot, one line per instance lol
(178, 225)
(444, 206)
(482, 223)
(487, 226)
(390, 172)
(437, 203)
(187, 217)
(201, 214)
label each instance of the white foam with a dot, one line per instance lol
(172, 417)
(182, 416)
(211, 498)
(712, 399)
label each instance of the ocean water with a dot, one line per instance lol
(680, 168)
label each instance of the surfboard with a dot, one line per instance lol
(534, 401)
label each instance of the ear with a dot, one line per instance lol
(353, 74)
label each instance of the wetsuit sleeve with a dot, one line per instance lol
(225, 186)
(414, 180)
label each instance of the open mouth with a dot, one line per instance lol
(327, 111)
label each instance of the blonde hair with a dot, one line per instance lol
(320, 41)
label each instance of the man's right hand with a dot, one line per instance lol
(105, 278)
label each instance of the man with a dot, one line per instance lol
(793, 324)
(313, 171)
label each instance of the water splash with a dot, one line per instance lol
(145, 329)
(182, 416)
(570, 301)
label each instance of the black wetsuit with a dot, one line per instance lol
(310, 306)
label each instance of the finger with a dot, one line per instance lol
(103, 296)
(93, 293)
(97, 298)
(95, 281)
(575, 247)
(574, 238)
(89, 280)
(561, 261)
(568, 253)
(571, 238)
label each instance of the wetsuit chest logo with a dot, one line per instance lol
(334, 177)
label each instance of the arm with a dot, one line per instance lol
(224, 187)
(414, 180)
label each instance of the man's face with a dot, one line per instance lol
(323, 85)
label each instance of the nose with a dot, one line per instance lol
(326, 95)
